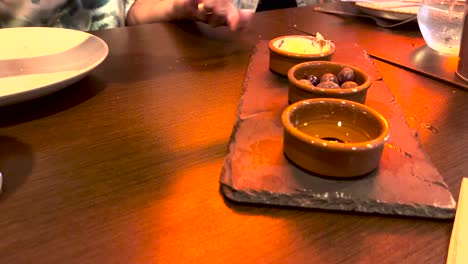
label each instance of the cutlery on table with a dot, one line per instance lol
(379, 21)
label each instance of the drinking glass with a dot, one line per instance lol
(441, 23)
(462, 70)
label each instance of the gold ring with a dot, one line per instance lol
(201, 8)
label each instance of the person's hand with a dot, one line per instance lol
(213, 12)
(222, 13)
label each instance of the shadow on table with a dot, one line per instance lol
(51, 104)
(214, 43)
(346, 237)
(437, 66)
(14, 168)
(162, 51)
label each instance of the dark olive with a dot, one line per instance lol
(329, 77)
(349, 84)
(313, 79)
(328, 84)
(346, 74)
(306, 82)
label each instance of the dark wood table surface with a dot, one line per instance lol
(123, 166)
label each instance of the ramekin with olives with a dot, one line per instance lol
(326, 79)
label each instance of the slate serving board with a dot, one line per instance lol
(256, 171)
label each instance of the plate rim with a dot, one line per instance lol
(28, 94)
(394, 15)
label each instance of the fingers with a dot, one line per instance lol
(219, 7)
(185, 9)
(239, 20)
(212, 13)
(207, 14)
(233, 19)
(245, 16)
(223, 13)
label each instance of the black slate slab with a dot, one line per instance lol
(256, 171)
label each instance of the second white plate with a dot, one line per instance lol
(393, 10)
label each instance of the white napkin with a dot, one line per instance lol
(458, 248)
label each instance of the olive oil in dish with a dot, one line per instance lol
(334, 131)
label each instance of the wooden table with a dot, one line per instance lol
(123, 166)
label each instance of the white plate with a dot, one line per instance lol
(394, 10)
(37, 61)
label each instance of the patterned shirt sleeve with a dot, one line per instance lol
(128, 4)
(246, 4)
(83, 15)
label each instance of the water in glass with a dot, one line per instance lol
(440, 23)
